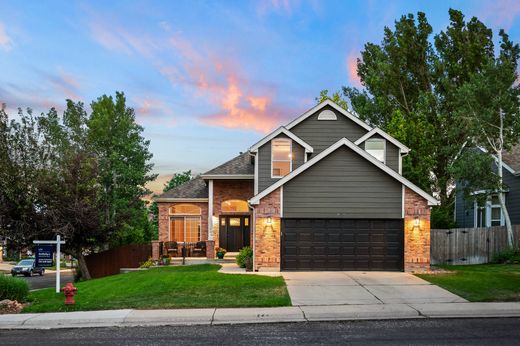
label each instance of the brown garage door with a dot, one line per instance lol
(339, 244)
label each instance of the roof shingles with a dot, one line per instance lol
(195, 188)
(238, 165)
(512, 158)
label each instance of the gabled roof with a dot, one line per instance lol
(431, 200)
(334, 105)
(512, 159)
(377, 130)
(278, 131)
(239, 167)
(193, 190)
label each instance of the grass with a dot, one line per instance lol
(196, 286)
(480, 283)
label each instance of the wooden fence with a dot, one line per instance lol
(109, 262)
(469, 245)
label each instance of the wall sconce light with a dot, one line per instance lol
(269, 220)
(416, 222)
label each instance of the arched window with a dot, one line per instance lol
(185, 209)
(234, 206)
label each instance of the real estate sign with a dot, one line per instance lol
(44, 255)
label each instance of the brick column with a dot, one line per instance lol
(267, 236)
(156, 244)
(416, 237)
(210, 249)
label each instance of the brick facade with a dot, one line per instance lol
(224, 190)
(267, 237)
(164, 219)
(416, 237)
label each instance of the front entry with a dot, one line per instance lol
(234, 232)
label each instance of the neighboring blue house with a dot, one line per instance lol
(469, 214)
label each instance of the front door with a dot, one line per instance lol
(234, 232)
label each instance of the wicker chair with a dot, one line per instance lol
(199, 250)
(171, 248)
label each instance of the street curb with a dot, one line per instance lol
(218, 316)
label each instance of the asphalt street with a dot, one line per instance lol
(48, 280)
(499, 331)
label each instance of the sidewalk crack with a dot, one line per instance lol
(303, 313)
(366, 289)
(418, 311)
(213, 317)
(30, 318)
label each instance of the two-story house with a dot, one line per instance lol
(473, 212)
(324, 192)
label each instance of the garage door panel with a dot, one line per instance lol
(340, 244)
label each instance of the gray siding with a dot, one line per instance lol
(392, 154)
(320, 134)
(464, 213)
(343, 185)
(264, 162)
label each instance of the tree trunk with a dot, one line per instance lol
(85, 274)
(501, 196)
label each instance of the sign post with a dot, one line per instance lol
(45, 254)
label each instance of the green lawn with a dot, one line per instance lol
(480, 283)
(195, 286)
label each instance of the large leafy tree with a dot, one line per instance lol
(411, 84)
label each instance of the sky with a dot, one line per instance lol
(207, 79)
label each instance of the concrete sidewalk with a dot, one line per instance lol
(122, 318)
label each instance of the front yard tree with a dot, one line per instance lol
(489, 110)
(410, 91)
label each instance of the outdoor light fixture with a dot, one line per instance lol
(269, 220)
(416, 222)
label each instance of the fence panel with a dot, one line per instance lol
(109, 262)
(469, 245)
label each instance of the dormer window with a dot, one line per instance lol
(377, 148)
(281, 157)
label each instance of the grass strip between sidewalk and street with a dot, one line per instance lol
(481, 282)
(194, 286)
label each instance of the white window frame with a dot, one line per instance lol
(384, 148)
(184, 217)
(272, 156)
(488, 213)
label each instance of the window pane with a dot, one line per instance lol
(495, 223)
(223, 222)
(376, 148)
(185, 209)
(177, 229)
(192, 229)
(495, 214)
(281, 150)
(281, 169)
(246, 221)
(235, 205)
(234, 221)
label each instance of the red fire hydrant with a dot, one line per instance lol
(69, 290)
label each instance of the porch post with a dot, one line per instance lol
(210, 209)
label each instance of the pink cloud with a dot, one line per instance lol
(351, 64)
(151, 110)
(5, 41)
(65, 84)
(502, 13)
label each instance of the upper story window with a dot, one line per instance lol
(489, 213)
(376, 147)
(281, 157)
(234, 205)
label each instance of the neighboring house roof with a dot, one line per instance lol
(377, 130)
(333, 105)
(239, 167)
(193, 190)
(278, 131)
(431, 200)
(512, 158)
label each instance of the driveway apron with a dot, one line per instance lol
(353, 288)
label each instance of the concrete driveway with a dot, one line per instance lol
(353, 288)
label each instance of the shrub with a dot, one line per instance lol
(245, 253)
(13, 288)
(507, 256)
(148, 263)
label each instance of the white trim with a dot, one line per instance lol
(168, 199)
(253, 221)
(281, 201)
(334, 105)
(290, 157)
(228, 176)
(505, 165)
(184, 217)
(377, 130)
(278, 131)
(327, 114)
(384, 147)
(400, 163)
(256, 173)
(210, 210)
(431, 200)
(475, 211)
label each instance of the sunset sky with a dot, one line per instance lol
(207, 79)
